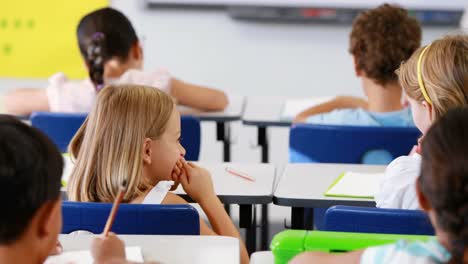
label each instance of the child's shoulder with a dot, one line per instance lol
(159, 78)
(172, 198)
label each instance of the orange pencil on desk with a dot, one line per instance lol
(239, 174)
(115, 207)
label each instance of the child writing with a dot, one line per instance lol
(441, 191)
(380, 40)
(112, 53)
(435, 79)
(133, 134)
(30, 180)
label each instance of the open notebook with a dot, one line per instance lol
(84, 257)
(293, 107)
(355, 185)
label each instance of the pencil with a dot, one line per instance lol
(115, 207)
(237, 173)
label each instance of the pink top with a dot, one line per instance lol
(78, 96)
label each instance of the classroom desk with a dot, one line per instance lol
(223, 118)
(262, 257)
(233, 190)
(303, 186)
(170, 249)
(263, 112)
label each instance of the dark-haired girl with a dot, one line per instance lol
(112, 54)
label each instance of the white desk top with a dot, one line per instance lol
(232, 113)
(304, 185)
(264, 111)
(230, 189)
(170, 249)
(235, 190)
(268, 110)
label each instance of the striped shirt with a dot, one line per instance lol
(415, 252)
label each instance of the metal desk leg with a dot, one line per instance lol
(297, 218)
(263, 143)
(248, 220)
(223, 134)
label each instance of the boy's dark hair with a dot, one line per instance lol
(444, 176)
(102, 35)
(381, 39)
(30, 175)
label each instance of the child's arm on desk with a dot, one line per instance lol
(198, 97)
(340, 102)
(25, 101)
(197, 183)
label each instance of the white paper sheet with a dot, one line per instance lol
(84, 256)
(354, 184)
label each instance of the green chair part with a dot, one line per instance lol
(287, 244)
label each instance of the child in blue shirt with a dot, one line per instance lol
(380, 40)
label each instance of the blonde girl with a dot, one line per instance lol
(441, 191)
(435, 80)
(133, 134)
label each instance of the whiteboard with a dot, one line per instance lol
(413, 4)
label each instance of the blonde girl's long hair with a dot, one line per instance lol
(108, 147)
(443, 74)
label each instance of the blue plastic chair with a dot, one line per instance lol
(61, 127)
(136, 219)
(191, 137)
(348, 144)
(377, 220)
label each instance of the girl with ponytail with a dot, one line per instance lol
(112, 54)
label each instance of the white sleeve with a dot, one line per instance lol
(397, 186)
(378, 254)
(55, 91)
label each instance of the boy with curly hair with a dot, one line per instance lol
(380, 40)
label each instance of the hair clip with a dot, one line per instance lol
(97, 35)
(99, 87)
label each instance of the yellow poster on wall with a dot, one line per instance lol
(38, 37)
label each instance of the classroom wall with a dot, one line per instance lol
(250, 58)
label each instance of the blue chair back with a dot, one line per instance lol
(135, 219)
(377, 220)
(191, 137)
(61, 127)
(347, 144)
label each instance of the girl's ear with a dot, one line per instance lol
(423, 202)
(137, 51)
(429, 111)
(147, 151)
